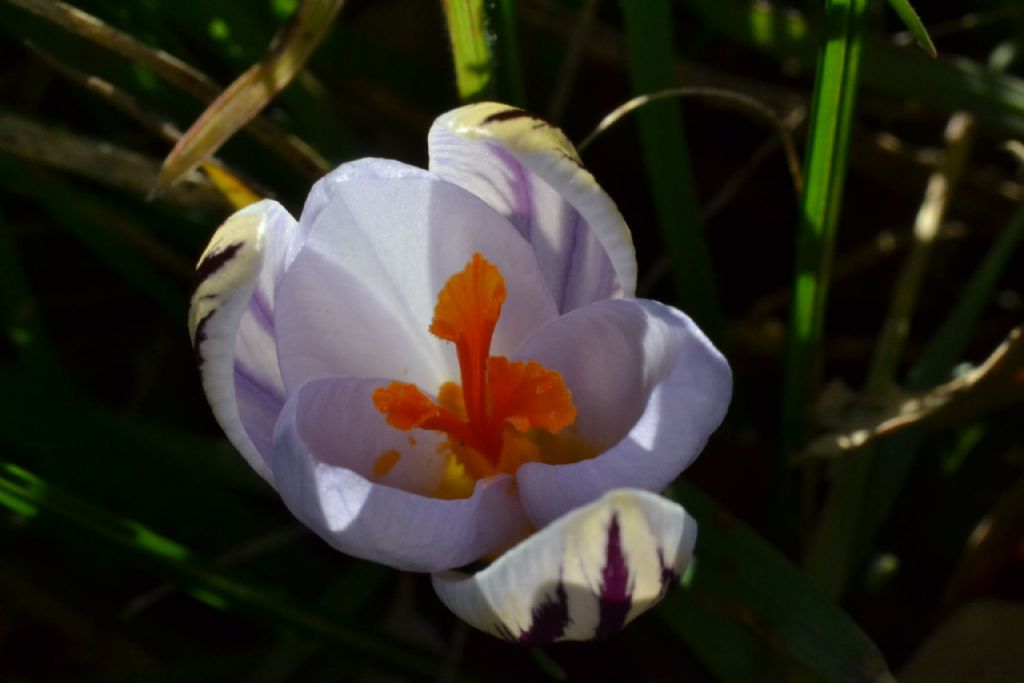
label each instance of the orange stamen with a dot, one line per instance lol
(467, 312)
(500, 403)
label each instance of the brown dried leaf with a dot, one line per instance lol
(997, 382)
(252, 91)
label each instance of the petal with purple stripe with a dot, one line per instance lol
(231, 321)
(529, 172)
(587, 574)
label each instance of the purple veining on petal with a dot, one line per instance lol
(259, 307)
(522, 219)
(513, 113)
(200, 337)
(575, 243)
(505, 633)
(214, 262)
(550, 619)
(259, 405)
(669, 576)
(615, 596)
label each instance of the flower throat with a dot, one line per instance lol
(496, 417)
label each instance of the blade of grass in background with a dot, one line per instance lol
(115, 240)
(912, 21)
(471, 49)
(832, 110)
(20, 318)
(751, 616)
(176, 72)
(842, 536)
(948, 84)
(870, 481)
(252, 91)
(648, 25)
(506, 38)
(25, 493)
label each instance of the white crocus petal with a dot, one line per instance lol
(530, 173)
(649, 390)
(358, 297)
(326, 445)
(231, 321)
(585, 575)
(324, 190)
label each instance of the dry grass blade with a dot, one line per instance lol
(176, 72)
(236, 191)
(998, 382)
(892, 338)
(738, 100)
(102, 162)
(572, 60)
(252, 91)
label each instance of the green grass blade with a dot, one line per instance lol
(648, 26)
(830, 122)
(19, 316)
(947, 85)
(751, 615)
(913, 23)
(868, 483)
(865, 485)
(21, 490)
(510, 65)
(471, 49)
(114, 240)
(948, 344)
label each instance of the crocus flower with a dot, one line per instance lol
(445, 366)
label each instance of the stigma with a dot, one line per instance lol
(496, 417)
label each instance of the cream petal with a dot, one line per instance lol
(530, 173)
(231, 321)
(585, 575)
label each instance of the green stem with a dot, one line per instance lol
(28, 495)
(471, 49)
(832, 111)
(510, 67)
(648, 26)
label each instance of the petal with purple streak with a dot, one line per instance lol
(529, 172)
(587, 573)
(359, 295)
(231, 320)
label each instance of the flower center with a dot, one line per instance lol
(504, 410)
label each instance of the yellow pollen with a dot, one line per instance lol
(386, 461)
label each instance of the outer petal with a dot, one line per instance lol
(661, 391)
(359, 295)
(586, 575)
(530, 173)
(231, 321)
(325, 444)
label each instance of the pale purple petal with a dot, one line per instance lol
(232, 324)
(585, 575)
(359, 296)
(529, 172)
(649, 390)
(326, 443)
(324, 190)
